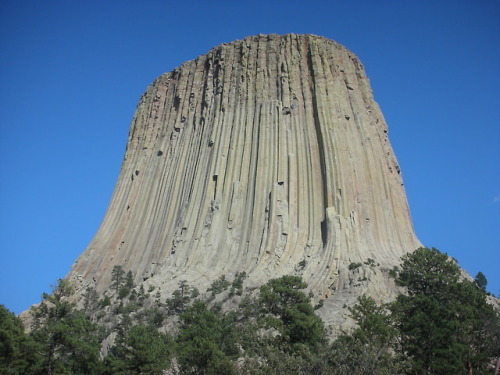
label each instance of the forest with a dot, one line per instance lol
(441, 323)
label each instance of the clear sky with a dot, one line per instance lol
(72, 72)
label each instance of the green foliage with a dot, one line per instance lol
(142, 295)
(275, 361)
(152, 317)
(67, 340)
(394, 272)
(129, 280)
(237, 285)
(181, 298)
(144, 351)
(130, 308)
(18, 354)
(117, 278)
(122, 328)
(353, 266)
(348, 354)
(288, 310)
(177, 303)
(442, 325)
(55, 305)
(124, 285)
(206, 342)
(374, 323)
(370, 262)
(123, 292)
(428, 271)
(219, 285)
(90, 302)
(319, 305)
(445, 324)
(104, 302)
(369, 349)
(481, 281)
(248, 308)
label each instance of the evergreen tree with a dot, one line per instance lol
(18, 355)
(126, 285)
(68, 341)
(219, 285)
(374, 323)
(206, 343)
(151, 317)
(369, 349)
(181, 298)
(481, 281)
(117, 278)
(428, 271)
(144, 351)
(90, 302)
(445, 324)
(237, 284)
(288, 310)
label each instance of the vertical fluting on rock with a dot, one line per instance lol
(266, 155)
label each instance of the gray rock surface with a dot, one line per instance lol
(267, 155)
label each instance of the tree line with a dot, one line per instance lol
(441, 324)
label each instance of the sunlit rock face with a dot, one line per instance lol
(266, 155)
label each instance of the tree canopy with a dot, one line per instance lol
(441, 324)
(445, 324)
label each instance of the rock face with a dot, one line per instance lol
(267, 155)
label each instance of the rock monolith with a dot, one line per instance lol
(266, 155)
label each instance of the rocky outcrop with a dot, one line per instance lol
(267, 155)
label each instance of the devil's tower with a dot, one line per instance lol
(266, 155)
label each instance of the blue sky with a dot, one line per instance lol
(72, 72)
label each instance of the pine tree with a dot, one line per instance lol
(445, 324)
(18, 354)
(206, 342)
(144, 350)
(288, 310)
(68, 341)
(117, 278)
(481, 281)
(369, 349)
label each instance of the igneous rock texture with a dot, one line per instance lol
(266, 155)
